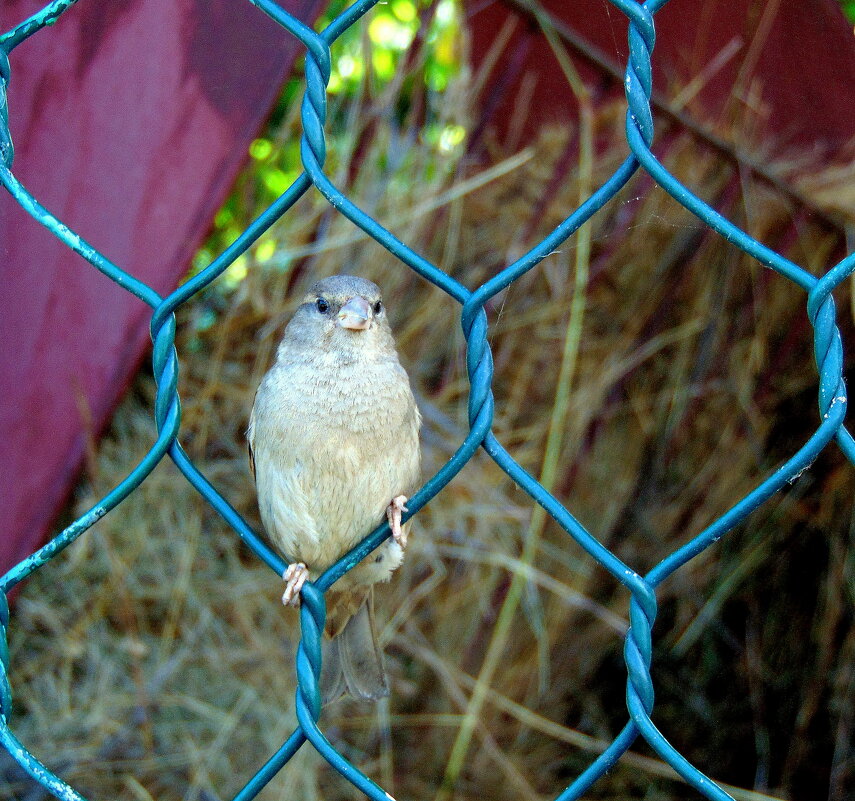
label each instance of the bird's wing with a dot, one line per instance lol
(250, 435)
(342, 605)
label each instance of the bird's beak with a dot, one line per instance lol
(355, 314)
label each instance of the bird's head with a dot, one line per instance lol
(343, 314)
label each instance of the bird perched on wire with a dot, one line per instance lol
(334, 445)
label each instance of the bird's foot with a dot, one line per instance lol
(393, 513)
(295, 577)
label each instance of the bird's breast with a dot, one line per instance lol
(332, 448)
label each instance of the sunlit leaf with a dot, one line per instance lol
(277, 181)
(260, 149)
(265, 250)
(404, 10)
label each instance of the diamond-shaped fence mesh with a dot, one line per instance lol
(639, 130)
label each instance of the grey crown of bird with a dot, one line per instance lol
(334, 445)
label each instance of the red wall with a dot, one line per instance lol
(799, 58)
(130, 121)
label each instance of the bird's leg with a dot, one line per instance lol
(393, 513)
(295, 577)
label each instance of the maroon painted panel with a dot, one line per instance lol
(799, 56)
(130, 120)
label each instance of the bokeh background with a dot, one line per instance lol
(647, 372)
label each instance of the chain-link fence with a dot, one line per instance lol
(828, 351)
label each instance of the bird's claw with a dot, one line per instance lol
(393, 513)
(295, 577)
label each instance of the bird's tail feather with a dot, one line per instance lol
(353, 661)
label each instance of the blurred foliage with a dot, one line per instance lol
(377, 57)
(391, 29)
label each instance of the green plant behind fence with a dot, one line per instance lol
(828, 352)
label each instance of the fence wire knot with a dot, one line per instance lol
(638, 646)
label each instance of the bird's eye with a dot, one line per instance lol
(378, 307)
(322, 305)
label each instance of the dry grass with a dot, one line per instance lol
(153, 659)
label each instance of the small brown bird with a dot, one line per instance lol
(334, 445)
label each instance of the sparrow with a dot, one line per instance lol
(334, 446)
